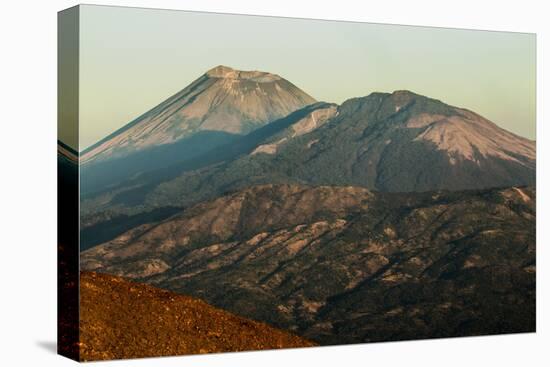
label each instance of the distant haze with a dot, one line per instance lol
(132, 59)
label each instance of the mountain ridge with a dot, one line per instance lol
(344, 264)
(398, 142)
(125, 319)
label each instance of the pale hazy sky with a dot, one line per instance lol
(132, 59)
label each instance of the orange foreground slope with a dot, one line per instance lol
(124, 319)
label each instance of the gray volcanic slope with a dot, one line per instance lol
(343, 264)
(222, 100)
(398, 142)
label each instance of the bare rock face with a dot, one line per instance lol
(222, 100)
(343, 264)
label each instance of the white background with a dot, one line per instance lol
(28, 182)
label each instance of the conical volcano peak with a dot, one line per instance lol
(221, 71)
(225, 72)
(221, 100)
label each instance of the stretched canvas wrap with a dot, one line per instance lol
(231, 183)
